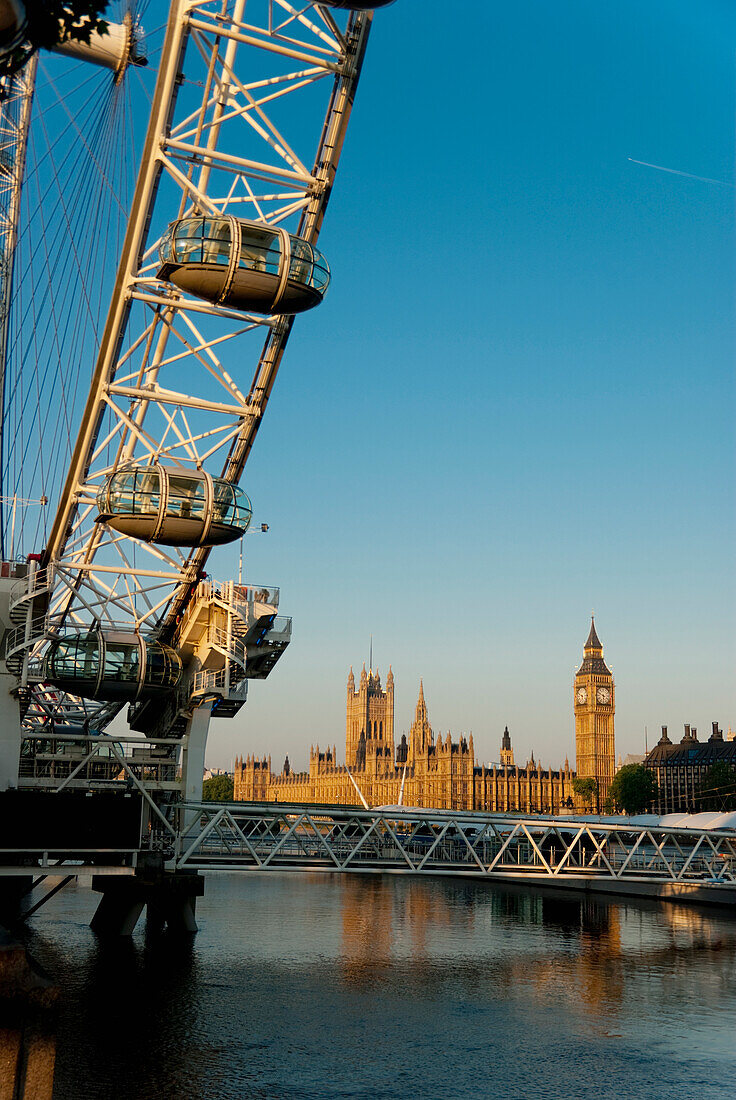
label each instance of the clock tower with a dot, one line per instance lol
(594, 711)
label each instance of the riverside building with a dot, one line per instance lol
(681, 768)
(430, 770)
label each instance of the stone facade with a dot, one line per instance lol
(594, 703)
(424, 770)
(681, 768)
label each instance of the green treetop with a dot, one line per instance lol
(633, 788)
(218, 789)
(718, 788)
(585, 788)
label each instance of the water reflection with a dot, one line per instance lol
(474, 934)
(370, 986)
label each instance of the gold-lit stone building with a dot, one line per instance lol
(432, 770)
(594, 704)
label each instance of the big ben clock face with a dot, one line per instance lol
(581, 695)
(603, 695)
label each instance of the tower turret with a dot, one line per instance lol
(421, 737)
(594, 708)
(369, 718)
(507, 753)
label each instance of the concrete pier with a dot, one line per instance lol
(169, 896)
(14, 891)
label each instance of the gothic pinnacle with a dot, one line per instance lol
(593, 641)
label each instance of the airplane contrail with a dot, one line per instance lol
(677, 172)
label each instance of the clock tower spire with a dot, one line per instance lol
(594, 710)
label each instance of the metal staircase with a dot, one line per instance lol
(30, 597)
(231, 629)
(20, 643)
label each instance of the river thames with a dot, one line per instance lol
(306, 987)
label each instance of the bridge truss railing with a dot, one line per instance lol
(249, 837)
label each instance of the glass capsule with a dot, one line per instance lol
(244, 265)
(174, 506)
(114, 665)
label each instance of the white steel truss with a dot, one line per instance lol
(622, 858)
(561, 851)
(229, 134)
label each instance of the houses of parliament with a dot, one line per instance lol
(427, 770)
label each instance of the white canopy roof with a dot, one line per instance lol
(709, 819)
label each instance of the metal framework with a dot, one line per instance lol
(229, 134)
(17, 96)
(674, 863)
(568, 852)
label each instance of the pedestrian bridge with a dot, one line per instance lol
(619, 856)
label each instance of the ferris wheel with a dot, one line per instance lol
(151, 276)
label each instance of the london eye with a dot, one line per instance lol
(152, 272)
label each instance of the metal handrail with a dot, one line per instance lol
(229, 594)
(45, 627)
(211, 680)
(23, 638)
(32, 585)
(228, 643)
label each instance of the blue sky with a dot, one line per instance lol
(517, 401)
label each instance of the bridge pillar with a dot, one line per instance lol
(170, 898)
(195, 743)
(13, 890)
(192, 759)
(175, 907)
(120, 906)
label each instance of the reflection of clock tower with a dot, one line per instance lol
(594, 710)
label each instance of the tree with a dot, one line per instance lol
(718, 788)
(586, 789)
(49, 22)
(218, 789)
(633, 788)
